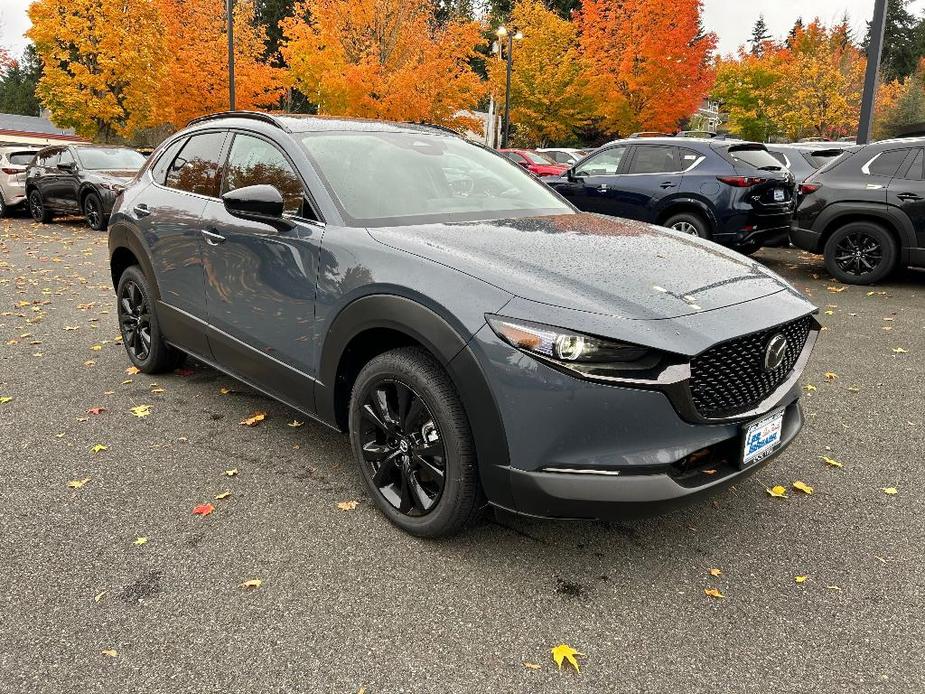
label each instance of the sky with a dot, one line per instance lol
(732, 20)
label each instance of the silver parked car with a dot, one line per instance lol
(14, 160)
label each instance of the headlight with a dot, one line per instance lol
(586, 354)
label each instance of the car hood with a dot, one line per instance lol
(593, 263)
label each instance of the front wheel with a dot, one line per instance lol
(93, 212)
(141, 334)
(688, 223)
(860, 253)
(412, 441)
(37, 207)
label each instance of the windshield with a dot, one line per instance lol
(389, 178)
(539, 158)
(112, 158)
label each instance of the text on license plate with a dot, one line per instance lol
(762, 437)
(779, 195)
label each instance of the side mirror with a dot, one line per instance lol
(572, 177)
(260, 203)
(67, 166)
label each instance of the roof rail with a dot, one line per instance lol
(255, 115)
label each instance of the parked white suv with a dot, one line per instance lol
(14, 160)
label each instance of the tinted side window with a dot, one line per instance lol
(913, 172)
(755, 156)
(885, 163)
(50, 160)
(655, 159)
(254, 161)
(195, 168)
(66, 157)
(606, 163)
(688, 157)
(159, 170)
(781, 158)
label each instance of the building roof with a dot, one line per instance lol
(33, 130)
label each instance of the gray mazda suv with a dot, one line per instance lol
(481, 340)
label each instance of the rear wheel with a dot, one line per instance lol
(141, 334)
(860, 253)
(93, 212)
(37, 207)
(411, 438)
(4, 208)
(688, 223)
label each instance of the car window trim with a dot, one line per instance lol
(700, 158)
(222, 154)
(306, 191)
(866, 168)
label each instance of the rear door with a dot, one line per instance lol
(654, 173)
(907, 191)
(592, 182)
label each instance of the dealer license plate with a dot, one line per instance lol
(762, 438)
(779, 195)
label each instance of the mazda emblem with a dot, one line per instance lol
(775, 352)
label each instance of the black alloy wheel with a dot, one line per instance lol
(37, 207)
(402, 447)
(93, 212)
(860, 253)
(135, 321)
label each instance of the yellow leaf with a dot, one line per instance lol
(295, 424)
(99, 596)
(565, 652)
(836, 290)
(111, 653)
(89, 362)
(223, 495)
(713, 593)
(141, 410)
(532, 666)
(140, 540)
(803, 487)
(829, 313)
(715, 572)
(830, 375)
(347, 505)
(809, 388)
(232, 472)
(224, 391)
(830, 461)
(890, 490)
(96, 348)
(800, 579)
(126, 382)
(132, 370)
(252, 583)
(77, 484)
(254, 419)
(778, 491)
(900, 350)
(98, 448)
(4, 399)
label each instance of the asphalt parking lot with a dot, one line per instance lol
(349, 603)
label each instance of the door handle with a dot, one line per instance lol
(141, 210)
(909, 196)
(602, 187)
(212, 238)
(668, 184)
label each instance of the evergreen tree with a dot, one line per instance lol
(269, 14)
(797, 27)
(17, 85)
(899, 57)
(760, 34)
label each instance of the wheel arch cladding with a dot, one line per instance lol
(837, 217)
(688, 206)
(398, 321)
(125, 250)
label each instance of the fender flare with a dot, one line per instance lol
(895, 219)
(450, 348)
(122, 237)
(667, 207)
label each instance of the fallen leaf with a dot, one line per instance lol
(96, 410)
(232, 472)
(833, 587)
(890, 490)
(126, 382)
(224, 391)
(830, 461)
(777, 491)
(98, 448)
(4, 399)
(99, 596)
(203, 509)
(254, 419)
(141, 410)
(252, 583)
(532, 666)
(713, 593)
(96, 348)
(800, 579)
(809, 388)
(564, 652)
(111, 652)
(803, 487)
(295, 424)
(140, 540)
(830, 375)
(715, 572)
(132, 370)
(836, 290)
(900, 350)
(223, 495)
(77, 484)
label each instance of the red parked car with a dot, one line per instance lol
(534, 162)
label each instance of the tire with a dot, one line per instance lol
(93, 212)
(688, 223)
(37, 207)
(141, 335)
(429, 436)
(4, 209)
(860, 253)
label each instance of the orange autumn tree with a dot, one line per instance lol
(102, 62)
(382, 59)
(649, 62)
(196, 80)
(550, 95)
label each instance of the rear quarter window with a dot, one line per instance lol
(885, 163)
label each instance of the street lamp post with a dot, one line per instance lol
(874, 50)
(229, 13)
(502, 33)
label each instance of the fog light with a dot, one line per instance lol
(569, 347)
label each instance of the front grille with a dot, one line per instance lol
(730, 378)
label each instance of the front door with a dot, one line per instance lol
(260, 279)
(654, 173)
(594, 184)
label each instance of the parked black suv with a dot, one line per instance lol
(79, 179)
(865, 212)
(732, 192)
